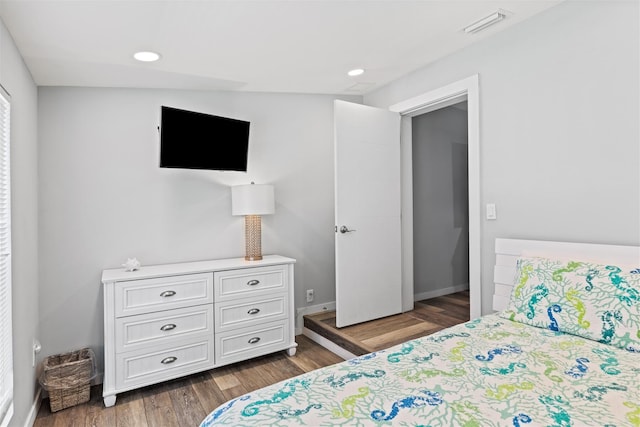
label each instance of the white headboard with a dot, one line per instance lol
(508, 251)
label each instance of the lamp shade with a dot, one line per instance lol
(252, 199)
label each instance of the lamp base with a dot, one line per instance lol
(253, 237)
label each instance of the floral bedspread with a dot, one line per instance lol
(487, 372)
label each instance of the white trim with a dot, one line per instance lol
(329, 345)
(312, 309)
(440, 292)
(7, 379)
(439, 101)
(4, 422)
(35, 407)
(406, 209)
(434, 99)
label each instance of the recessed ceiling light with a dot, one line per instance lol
(146, 56)
(355, 72)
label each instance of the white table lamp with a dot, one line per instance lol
(252, 201)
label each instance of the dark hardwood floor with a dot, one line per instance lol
(427, 317)
(187, 401)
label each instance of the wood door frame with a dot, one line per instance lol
(433, 100)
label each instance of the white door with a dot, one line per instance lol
(367, 213)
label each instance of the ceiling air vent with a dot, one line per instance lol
(486, 22)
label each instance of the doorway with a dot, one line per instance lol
(451, 94)
(440, 202)
(466, 89)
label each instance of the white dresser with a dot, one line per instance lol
(166, 321)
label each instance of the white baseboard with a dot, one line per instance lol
(312, 309)
(35, 407)
(440, 292)
(329, 345)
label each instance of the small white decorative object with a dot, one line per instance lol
(132, 264)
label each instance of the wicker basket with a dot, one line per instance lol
(67, 377)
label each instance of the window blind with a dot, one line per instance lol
(6, 352)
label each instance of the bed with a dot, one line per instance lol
(563, 349)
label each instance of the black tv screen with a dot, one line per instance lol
(191, 140)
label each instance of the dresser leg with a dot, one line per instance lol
(291, 351)
(109, 400)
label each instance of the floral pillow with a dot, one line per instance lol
(594, 301)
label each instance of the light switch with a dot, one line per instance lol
(491, 211)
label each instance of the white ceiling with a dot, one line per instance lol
(302, 46)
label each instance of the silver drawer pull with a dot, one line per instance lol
(168, 327)
(253, 311)
(167, 294)
(168, 360)
(254, 340)
(253, 282)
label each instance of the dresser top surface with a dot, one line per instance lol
(150, 271)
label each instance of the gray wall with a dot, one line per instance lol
(440, 202)
(559, 149)
(16, 79)
(559, 128)
(103, 197)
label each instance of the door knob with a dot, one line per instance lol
(344, 229)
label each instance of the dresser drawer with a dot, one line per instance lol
(247, 312)
(246, 282)
(163, 293)
(141, 368)
(133, 332)
(241, 344)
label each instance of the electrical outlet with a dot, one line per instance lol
(309, 295)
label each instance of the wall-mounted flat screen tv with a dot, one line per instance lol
(191, 140)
